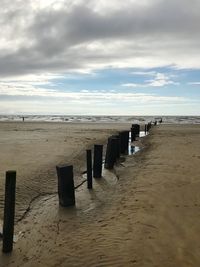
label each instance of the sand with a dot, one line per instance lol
(145, 213)
(33, 149)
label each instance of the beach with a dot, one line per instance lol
(145, 212)
(34, 149)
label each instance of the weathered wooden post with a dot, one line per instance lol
(66, 190)
(137, 129)
(98, 160)
(126, 137)
(121, 137)
(9, 211)
(117, 146)
(124, 141)
(110, 153)
(133, 134)
(148, 126)
(89, 168)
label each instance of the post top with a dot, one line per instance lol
(64, 166)
(11, 172)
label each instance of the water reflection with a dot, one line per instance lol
(141, 134)
(133, 149)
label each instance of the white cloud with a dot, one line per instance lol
(133, 85)
(144, 73)
(194, 83)
(27, 90)
(94, 103)
(159, 80)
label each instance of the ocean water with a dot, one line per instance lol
(104, 119)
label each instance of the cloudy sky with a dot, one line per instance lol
(100, 57)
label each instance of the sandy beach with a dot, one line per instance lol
(34, 149)
(144, 213)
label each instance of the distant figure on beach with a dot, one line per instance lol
(23, 119)
(160, 121)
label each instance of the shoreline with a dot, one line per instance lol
(167, 119)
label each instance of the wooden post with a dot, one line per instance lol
(133, 134)
(121, 136)
(66, 190)
(89, 168)
(137, 129)
(124, 140)
(110, 153)
(117, 146)
(97, 164)
(121, 142)
(9, 211)
(148, 126)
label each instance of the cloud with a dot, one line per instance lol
(27, 92)
(96, 103)
(159, 80)
(144, 73)
(194, 83)
(65, 36)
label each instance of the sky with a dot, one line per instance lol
(86, 57)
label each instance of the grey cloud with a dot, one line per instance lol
(57, 40)
(83, 24)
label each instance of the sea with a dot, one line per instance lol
(102, 119)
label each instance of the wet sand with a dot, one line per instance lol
(33, 149)
(145, 213)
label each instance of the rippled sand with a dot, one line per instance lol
(34, 149)
(145, 213)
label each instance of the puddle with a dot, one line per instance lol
(141, 134)
(133, 149)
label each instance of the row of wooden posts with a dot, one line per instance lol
(116, 145)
